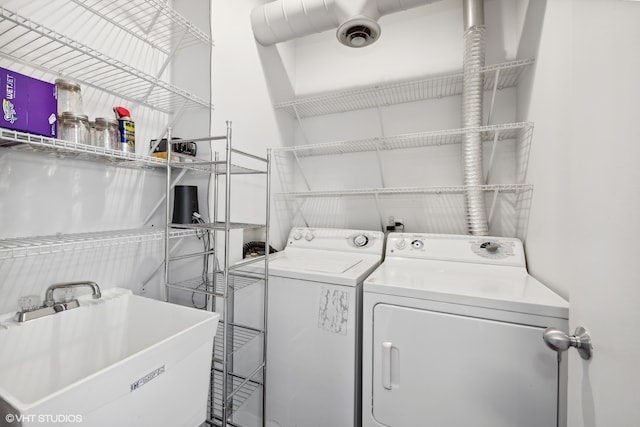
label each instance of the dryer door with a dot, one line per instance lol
(446, 370)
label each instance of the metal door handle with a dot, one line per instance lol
(560, 341)
(386, 365)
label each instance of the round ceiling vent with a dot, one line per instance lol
(358, 32)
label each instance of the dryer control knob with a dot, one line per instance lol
(309, 237)
(297, 236)
(492, 248)
(417, 244)
(360, 240)
(401, 244)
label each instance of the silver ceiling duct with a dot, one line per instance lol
(356, 20)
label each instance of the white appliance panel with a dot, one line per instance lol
(451, 371)
(502, 251)
(312, 353)
(491, 286)
(334, 239)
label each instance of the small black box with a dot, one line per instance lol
(189, 148)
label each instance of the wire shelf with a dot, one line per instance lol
(241, 336)
(29, 142)
(504, 132)
(211, 287)
(243, 389)
(503, 75)
(44, 245)
(217, 226)
(27, 42)
(500, 188)
(217, 168)
(246, 265)
(151, 21)
(217, 422)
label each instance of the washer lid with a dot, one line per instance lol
(489, 286)
(340, 268)
(312, 261)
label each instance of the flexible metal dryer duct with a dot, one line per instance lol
(356, 20)
(472, 95)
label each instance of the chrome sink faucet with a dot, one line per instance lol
(51, 306)
(48, 296)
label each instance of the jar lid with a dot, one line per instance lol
(67, 84)
(68, 115)
(105, 120)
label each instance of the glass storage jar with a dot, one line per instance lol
(69, 97)
(74, 127)
(92, 132)
(107, 133)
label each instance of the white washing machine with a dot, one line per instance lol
(314, 329)
(452, 337)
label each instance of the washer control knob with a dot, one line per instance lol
(401, 244)
(309, 237)
(360, 240)
(297, 236)
(417, 244)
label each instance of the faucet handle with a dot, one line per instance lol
(29, 303)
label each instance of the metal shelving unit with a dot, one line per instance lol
(229, 387)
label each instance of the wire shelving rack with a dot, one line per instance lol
(230, 388)
(46, 245)
(497, 77)
(151, 21)
(25, 41)
(61, 148)
(306, 197)
(501, 132)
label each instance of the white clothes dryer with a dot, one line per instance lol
(452, 337)
(314, 326)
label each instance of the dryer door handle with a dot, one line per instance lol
(390, 361)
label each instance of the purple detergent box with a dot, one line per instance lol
(28, 105)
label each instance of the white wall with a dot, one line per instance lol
(583, 228)
(548, 85)
(242, 95)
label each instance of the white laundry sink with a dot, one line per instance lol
(120, 360)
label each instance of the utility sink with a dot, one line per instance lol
(121, 360)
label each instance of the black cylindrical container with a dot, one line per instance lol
(185, 203)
